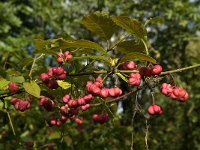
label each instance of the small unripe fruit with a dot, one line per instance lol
(81, 101)
(99, 79)
(156, 70)
(145, 71)
(13, 87)
(155, 109)
(134, 79)
(166, 89)
(72, 103)
(22, 105)
(95, 117)
(129, 65)
(112, 92)
(44, 76)
(52, 121)
(62, 76)
(52, 84)
(66, 98)
(179, 94)
(85, 107)
(59, 59)
(78, 120)
(104, 92)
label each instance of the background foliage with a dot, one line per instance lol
(175, 44)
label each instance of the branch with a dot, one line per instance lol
(180, 69)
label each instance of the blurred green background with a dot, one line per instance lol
(176, 44)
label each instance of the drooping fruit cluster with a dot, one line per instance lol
(96, 88)
(53, 74)
(175, 92)
(100, 118)
(13, 87)
(69, 110)
(61, 57)
(155, 109)
(20, 104)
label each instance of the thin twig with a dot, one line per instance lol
(11, 124)
(133, 116)
(146, 136)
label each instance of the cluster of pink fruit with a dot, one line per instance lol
(71, 107)
(69, 110)
(20, 104)
(62, 57)
(13, 87)
(175, 92)
(100, 118)
(96, 88)
(53, 74)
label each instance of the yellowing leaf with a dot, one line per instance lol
(32, 88)
(64, 85)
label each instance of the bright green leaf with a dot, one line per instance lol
(64, 85)
(100, 23)
(137, 56)
(3, 83)
(32, 88)
(131, 25)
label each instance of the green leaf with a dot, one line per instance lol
(123, 77)
(81, 44)
(100, 23)
(55, 135)
(3, 83)
(26, 61)
(40, 44)
(64, 85)
(99, 58)
(155, 20)
(18, 79)
(131, 25)
(137, 56)
(131, 46)
(32, 88)
(52, 45)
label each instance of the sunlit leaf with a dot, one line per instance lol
(32, 88)
(64, 85)
(3, 83)
(100, 23)
(131, 25)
